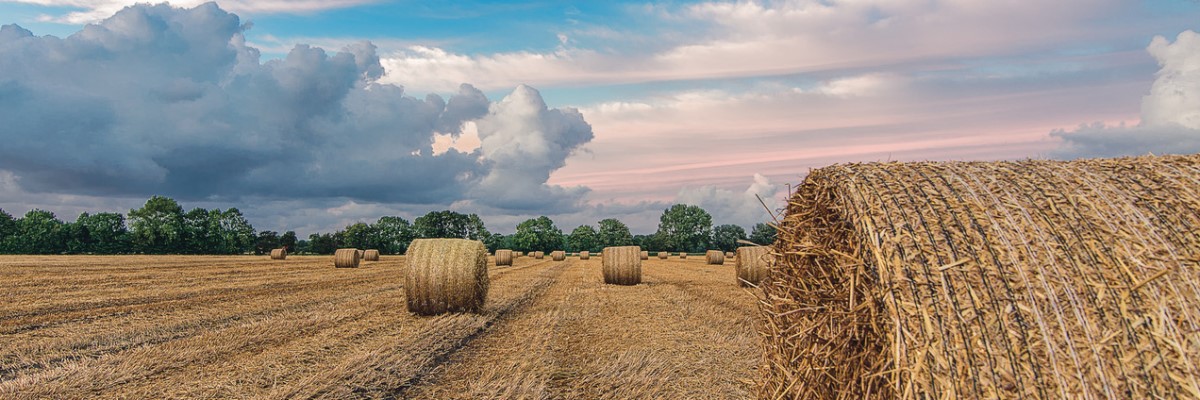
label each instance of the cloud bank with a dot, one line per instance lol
(1170, 112)
(164, 100)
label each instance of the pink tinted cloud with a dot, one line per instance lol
(648, 150)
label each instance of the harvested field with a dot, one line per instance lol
(250, 327)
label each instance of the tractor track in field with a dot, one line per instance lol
(549, 278)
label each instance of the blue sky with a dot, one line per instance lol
(645, 103)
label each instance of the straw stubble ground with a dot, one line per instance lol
(249, 327)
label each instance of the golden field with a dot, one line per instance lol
(74, 327)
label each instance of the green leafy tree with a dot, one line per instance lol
(614, 233)
(40, 232)
(201, 232)
(475, 229)
(157, 227)
(107, 232)
(77, 238)
(725, 237)
(538, 234)
(288, 240)
(8, 232)
(394, 234)
(237, 235)
(763, 234)
(583, 237)
(450, 224)
(497, 241)
(358, 235)
(685, 228)
(266, 241)
(322, 243)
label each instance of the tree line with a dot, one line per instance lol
(161, 226)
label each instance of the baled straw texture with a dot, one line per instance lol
(583, 255)
(1034, 279)
(662, 255)
(504, 257)
(279, 254)
(622, 265)
(729, 254)
(346, 258)
(371, 255)
(558, 255)
(752, 263)
(539, 255)
(518, 254)
(714, 257)
(446, 275)
(361, 254)
(645, 255)
(683, 255)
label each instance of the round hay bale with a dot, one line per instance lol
(683, 255)
(714, 257)
(645, 255)
(622, 265)
(539, 255)
(517, 254)
(558, 255)
(751, 264)
(583, 255)
(279, 254)
(662, 255)
(361, 254)
(729, 254)
(371, 255)
(504, 257)
(446, 275)
(346, 258)
(1001, 280)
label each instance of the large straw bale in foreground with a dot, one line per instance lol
(1034, 279)
(504, 257)
(558, 255)
(714, 257)
(752, 263)
(446, 275)
(371, 255)
(622, 265)
(279, 254)
(346, 258)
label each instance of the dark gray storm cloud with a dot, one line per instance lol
(163, 100)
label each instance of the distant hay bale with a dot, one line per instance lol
(346, 258)
(1029, 279)
(558, 255)
(538, 255)
(752, 263)
(279, 254)
(583, 255)
(371, 255)
(622, 265)
(729, 254)
(504, 257)
(714, 257)
(518, 254)
(683, 255)
(645, 255)
(662, 255)
(446, 275)
(361, 254)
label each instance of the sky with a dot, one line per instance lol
(310, 115)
